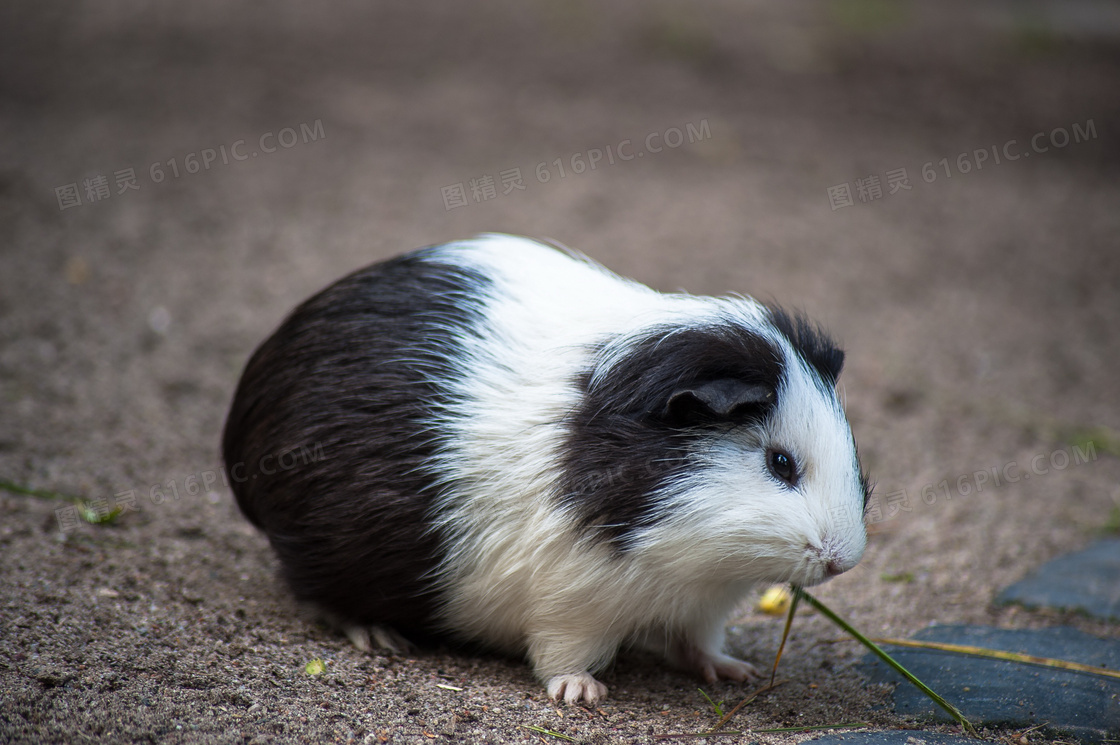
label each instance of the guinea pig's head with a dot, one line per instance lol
(729, 447)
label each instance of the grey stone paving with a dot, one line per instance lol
(895, 737)
(1087, 581)
(999, 693)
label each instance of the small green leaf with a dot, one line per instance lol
(315, 667)
(717, 708)
(1086, 441)
(1112, 524)
(93, 517)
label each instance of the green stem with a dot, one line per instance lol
(548, 732)
(8, 486)
(952, 710)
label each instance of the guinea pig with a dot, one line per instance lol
(524, 451)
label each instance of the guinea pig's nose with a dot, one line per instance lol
(827, 555)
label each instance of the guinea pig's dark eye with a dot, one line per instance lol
(782, 466)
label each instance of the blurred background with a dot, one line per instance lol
(936, 183)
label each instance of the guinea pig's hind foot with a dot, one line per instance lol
(366, 638)
(717, 666)
(574, 688)
(725, 667)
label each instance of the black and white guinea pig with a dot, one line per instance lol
(523, 450)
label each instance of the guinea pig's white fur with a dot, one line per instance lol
(542, 543)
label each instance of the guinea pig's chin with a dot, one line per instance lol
(809, 576)
(814, 577)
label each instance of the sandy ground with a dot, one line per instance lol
(979, 309)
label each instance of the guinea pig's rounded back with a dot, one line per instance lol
(348, 393)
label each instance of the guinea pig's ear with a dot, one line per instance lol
(723, 399)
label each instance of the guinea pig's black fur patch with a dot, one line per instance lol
(622, 448)
(812, 344)
(356, 374)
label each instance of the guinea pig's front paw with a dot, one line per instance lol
(574, 688)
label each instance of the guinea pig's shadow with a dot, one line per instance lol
(304, 624)
(639, 677)
(632, 676)
(423, 648)
(636, 677)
